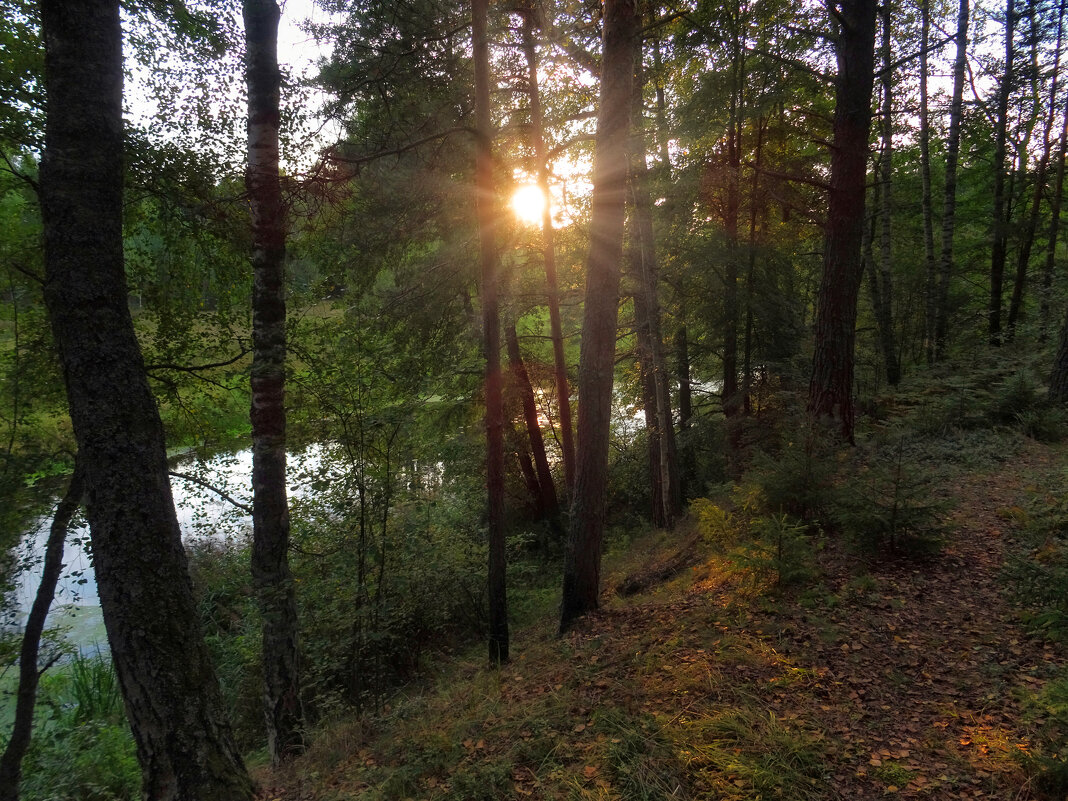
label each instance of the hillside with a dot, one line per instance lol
(872, 676)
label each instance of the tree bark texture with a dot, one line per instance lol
(999, 247)
(170, 690)
(486, 205)
(537, 126)
(582, 559)
(271, 576)
(26, 697)
(949, 203)
(831, 387)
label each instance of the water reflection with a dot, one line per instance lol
(202, 513)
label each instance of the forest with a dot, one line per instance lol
(554, 399)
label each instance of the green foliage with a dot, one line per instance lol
(82, 748)
(781, 546)
(1037, 575)
(886, 503)
(798, 477)
(715, 523)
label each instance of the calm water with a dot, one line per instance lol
(201, 514)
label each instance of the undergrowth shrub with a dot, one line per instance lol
(766, 543)
(1049, 764)
(798, 477)
(886, 503)
(82, 747)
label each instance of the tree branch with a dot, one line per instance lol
(198, 367)
(202, 483)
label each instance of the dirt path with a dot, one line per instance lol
(922, 671)
(912, 677)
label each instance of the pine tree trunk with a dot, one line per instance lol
(1054, 230)
(582, 559)
(682, 375)
(26, 698)
(949, 203)
(1058, 382)
(272, 579)
(171, 694)
(537, 126)
(831, 387)
(931, 266)
(486, 198)
(999, 248)
(885, 295)
(750, 269)
(547, 500)
(731, 397)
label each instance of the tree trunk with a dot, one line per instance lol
(750, 268)
(931, 267)
(486, 197)
(1000, 244)
(582, 559)
(271, 577)
(1027, 236)
(1054, 229)
(682, 374)
(171, 694)
(26, 698)
(647, 381)
(647, 313)
(537, 126)
(1058, 382)
(884, 297)
(949, 203)
(731, 397)
(831, 387)
(547, 501)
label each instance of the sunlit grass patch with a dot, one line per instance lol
(748, 753)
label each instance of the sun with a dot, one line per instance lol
(528, 203)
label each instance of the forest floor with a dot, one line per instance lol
(900, 678)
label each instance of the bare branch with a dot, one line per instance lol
(202, 483)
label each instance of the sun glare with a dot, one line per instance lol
(528, 203)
